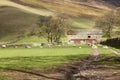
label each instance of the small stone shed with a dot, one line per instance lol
(84, 36)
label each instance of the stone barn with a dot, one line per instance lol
(83, 36)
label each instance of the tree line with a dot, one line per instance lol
(114, 42)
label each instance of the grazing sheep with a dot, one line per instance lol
(94, 46)
(27, 47)
(4, 46)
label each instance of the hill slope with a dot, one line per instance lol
(20, 16)
(25, 8)
(15, 21)
(69, 7)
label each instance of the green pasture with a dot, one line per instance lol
(4, 78)
(105, 52)
(32, 39)
(117, 49)
(36, 39)
(107, 58)
(40, 58)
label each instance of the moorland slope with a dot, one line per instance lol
(21, 16)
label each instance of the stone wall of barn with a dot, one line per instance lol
(83, 39)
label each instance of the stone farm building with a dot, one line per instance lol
(84, 36)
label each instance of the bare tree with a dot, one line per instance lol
(118, 22)
(53, 27)
(107, 24)
(44, 24)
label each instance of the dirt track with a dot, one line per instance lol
(26, 8)
(115, 52)
(77, 74)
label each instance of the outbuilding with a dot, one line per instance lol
(84, 36)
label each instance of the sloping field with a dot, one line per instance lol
(25, 8)
(66, 7)
(21, 16)
(15, 22)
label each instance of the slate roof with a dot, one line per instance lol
(84, 32)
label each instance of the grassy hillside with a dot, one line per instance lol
(69, 7)
(19, 17)
(13, 21)
(82, 23)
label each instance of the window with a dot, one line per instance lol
(89, 36)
